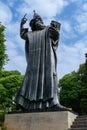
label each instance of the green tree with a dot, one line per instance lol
(73, 92)
(82, 72)
(9, 84)
(3, 55)
(70, 93)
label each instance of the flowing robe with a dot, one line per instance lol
(40, 81)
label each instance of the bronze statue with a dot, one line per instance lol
(39, 89)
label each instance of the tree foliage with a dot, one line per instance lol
(9, 83)
(3, 55)
(83, 80)
(73, 92)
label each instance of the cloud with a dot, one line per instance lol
(6, 14)
(75, 1)
(84, 6)
(17, 60)
(67, 30)
(13, 28)
(11, 2)
(46, 8)
(81, 28)
(15, 48)
(17, 63)
(81, 19)
(70, 57)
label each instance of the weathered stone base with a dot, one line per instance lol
(40, 121)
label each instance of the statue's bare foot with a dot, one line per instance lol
(58, 107)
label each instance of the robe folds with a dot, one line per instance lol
(37, 88)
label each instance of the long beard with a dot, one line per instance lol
(39, 25)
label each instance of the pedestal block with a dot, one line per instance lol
(40, 121)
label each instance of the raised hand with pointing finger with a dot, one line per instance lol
(24, 19)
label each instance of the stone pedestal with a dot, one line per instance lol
(40, 121)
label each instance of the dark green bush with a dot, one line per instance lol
(83, 105)
(2, 115)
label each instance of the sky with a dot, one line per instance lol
(72, 14)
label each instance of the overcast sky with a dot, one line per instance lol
(72, 14)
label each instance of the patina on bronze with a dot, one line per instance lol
(39, 89)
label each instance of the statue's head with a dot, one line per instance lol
(36, 23)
